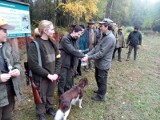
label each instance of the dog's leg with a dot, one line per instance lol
(59, 115)
(74, 101)
(80, 103)
(67, 113)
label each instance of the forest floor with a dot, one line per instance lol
(133, 89)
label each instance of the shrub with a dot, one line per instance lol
(129, 29)
(126, 31)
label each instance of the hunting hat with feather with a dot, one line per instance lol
(91, 22)
(120, 28)
(5, 25)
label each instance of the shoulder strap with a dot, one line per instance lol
(39, 54)
(54, 46)
(39, 62)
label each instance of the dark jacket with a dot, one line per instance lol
(69, 52)
(98, 35)
(134, 38)
(11, 59)
(38, 71)
(102, 53)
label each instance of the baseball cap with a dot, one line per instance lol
(106, 20)
(4, 25)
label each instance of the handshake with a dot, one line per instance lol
(85, 59)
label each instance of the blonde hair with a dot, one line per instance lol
(44, 24)
(36, 33)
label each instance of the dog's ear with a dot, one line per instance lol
(83, 82)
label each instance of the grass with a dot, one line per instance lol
(133, 90)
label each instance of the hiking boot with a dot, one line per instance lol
(50, 111)
(113, 57)
(95, 91)
(127, 59)
(79, 74)
(42, 117)
(120, 60)
(97, 98)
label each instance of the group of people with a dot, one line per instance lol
(134, 41)
(91, 36)
(58, 62)
(65, 66)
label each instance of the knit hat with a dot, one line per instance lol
(136, 27)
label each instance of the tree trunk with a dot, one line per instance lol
(109, 9)
(110, 14)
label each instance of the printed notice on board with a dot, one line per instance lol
(17, 15)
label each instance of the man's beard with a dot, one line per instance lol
(75, 37)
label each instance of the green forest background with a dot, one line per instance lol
(145, 13)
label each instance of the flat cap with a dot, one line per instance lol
(106, 20)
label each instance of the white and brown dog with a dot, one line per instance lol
(69, 98)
